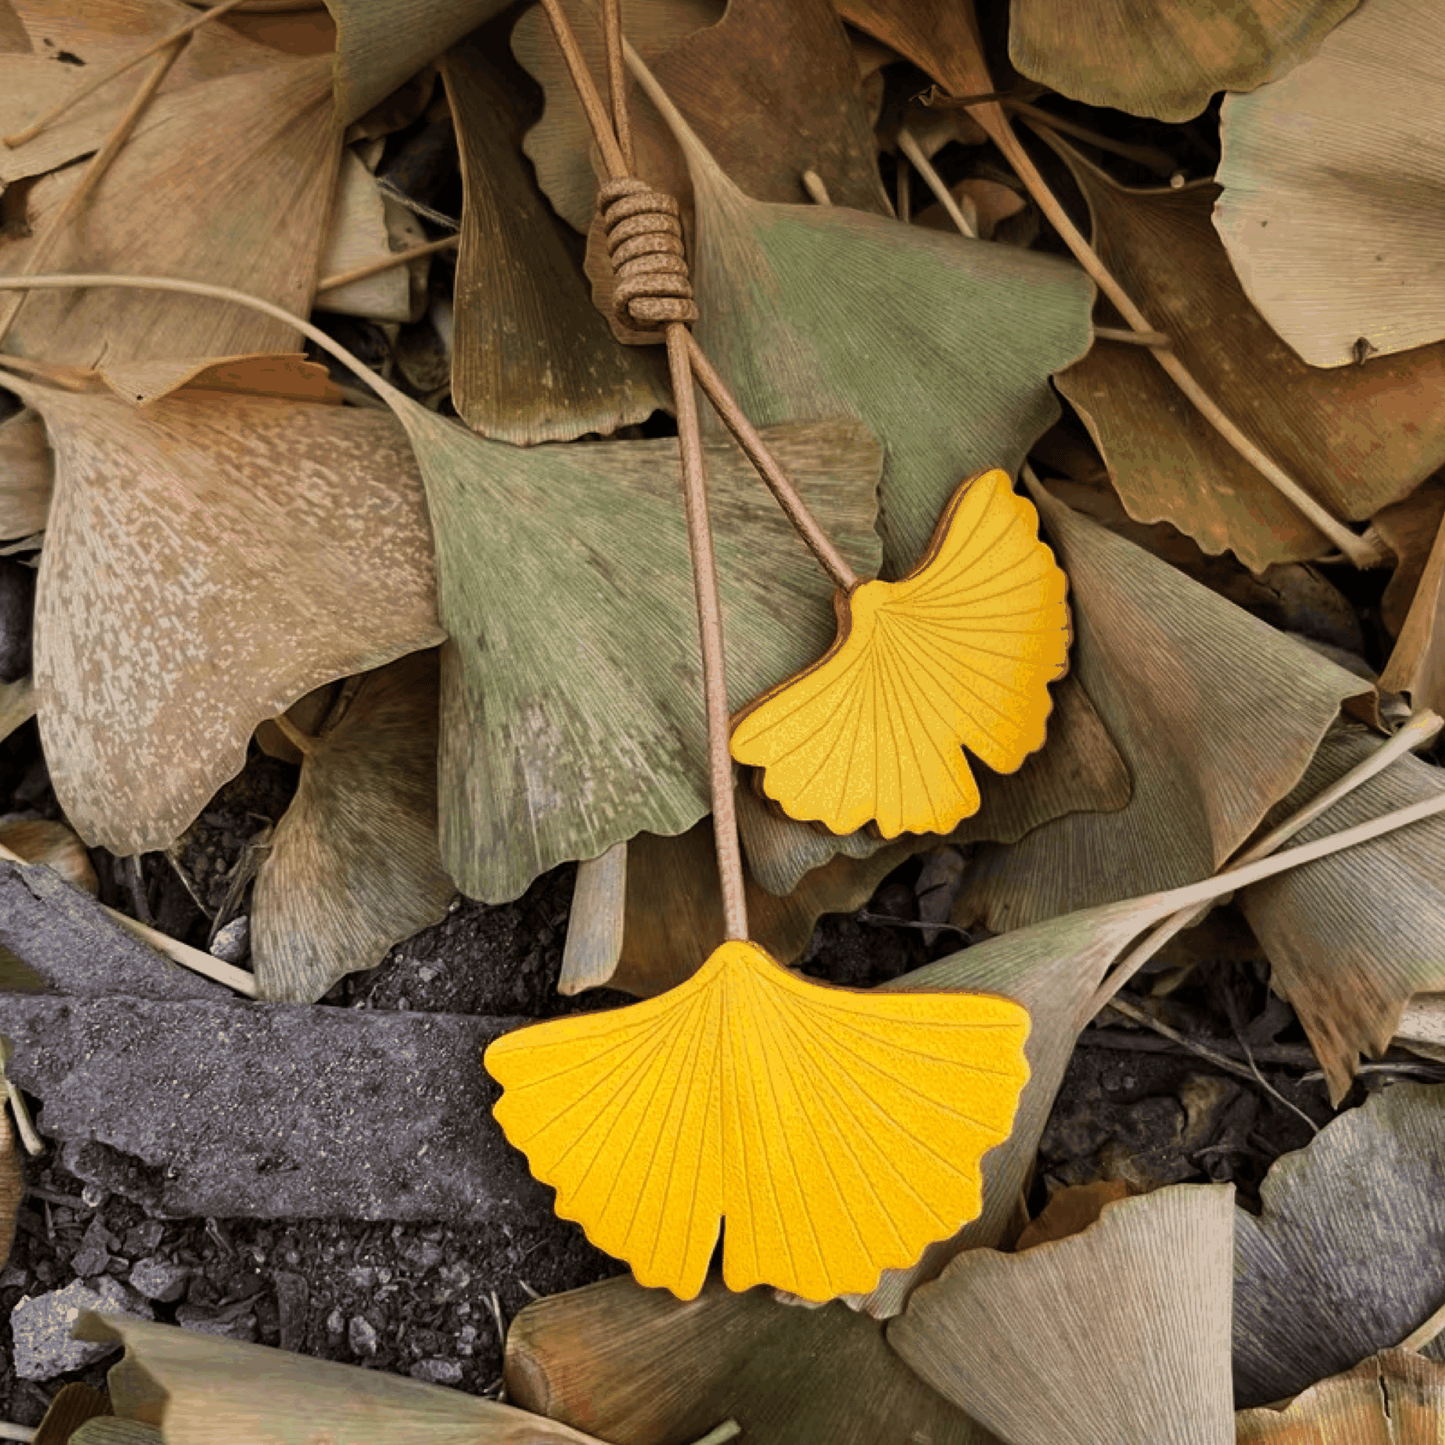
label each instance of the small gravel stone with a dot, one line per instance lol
(361, 1335)
(209, 1322)
(437, 1372)
(41, 1327)
(142, 1238)
(159, 1279)
(233, 942)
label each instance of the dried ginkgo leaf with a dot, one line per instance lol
(1395, 1396)
(837, 1132)
(534, 359)
(867, 316)
(202, 1388)
(1409, 529)
(959, 653)
(572, 672)
(1350, 1236)
(1417, 665)
(1115, 1336)
(1164, 58)
(185, 593)
(41, 840)
(1359, 438)
(26, 475)
(12, 1184)
(381, 44)
(288, 377)
(1323, 173)
(1216, 714)
(354, 865)
(1333, 930)
(268, 145)
(75, 1404)
(636, 1365)
(17, 704)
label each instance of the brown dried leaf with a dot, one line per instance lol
(26, 475)
(1359, 438)
(17, 704)
(1409, 529)
(1216, 714)
(1040, 1348)
(938, 36)
(205, 1390)
(1071, 1211)
(290, 378)
(1164, 58)
(1325, 173)
(38, 840)
(381, 44)
(639, 1367)
(1395, 1396)
(354, 865)
(1351, 937)
(72, 1407)
(1417, 665)
(189, 588)
(266, 142)
(12, 1184)
(534, 360)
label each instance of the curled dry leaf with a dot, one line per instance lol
(1344, 1260)
(381, 44)
(291, 378)
(186, 1382)
(1395, 1395)
(560, 144)
(534, 360)
(1324, 173)
(576, 558)
(1350, 938)
(1359, 439)
(1216, 714)
(1032, 1346)
(638, 1367)
(354, 864)
(268, 144)
(810, 310)
(1164, 58)
(208, 561)
(26, 475)
(1409, 529)
(38, 840)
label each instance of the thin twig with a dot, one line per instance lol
(1360, 551)
(9, 1431)
(91, 86)
(396, 258)
(1154, 160)
(908, 144)
(1421, 1336)
(42, 245)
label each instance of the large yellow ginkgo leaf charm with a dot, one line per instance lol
(837, 1132)
(959, 653)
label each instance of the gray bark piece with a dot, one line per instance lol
(78, 948)
(273, 1110)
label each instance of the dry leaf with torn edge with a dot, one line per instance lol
(354, 866)
(190, 588)
(959, 653)
(1118, 1335)
(837, 1132)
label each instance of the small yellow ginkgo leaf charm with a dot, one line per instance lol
(837, 1132)
(959, 653)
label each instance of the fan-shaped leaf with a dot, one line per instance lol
(1350, 1236)
(1324, 172)
(1164, 58)
(959, 653)
(1359, 438)
(207, 562)
(1417, 665)
(26, 475)
(837, 1132)
(571, 702)
(1395, 1395)
(1118, 1335)
(534, 360)
(267, 144)
(1215, 713)
(810, 310)
(354, 865)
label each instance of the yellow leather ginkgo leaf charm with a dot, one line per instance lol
(959, 653)
(838, 1132)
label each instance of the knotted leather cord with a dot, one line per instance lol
(652, 292)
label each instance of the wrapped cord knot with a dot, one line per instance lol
(644, 242)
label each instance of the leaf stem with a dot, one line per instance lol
(385, 263)
(908, 144)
